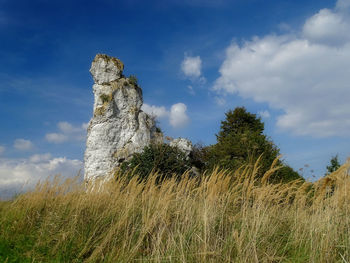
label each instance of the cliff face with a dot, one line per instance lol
(118, 127)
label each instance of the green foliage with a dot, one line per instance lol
(105, 98)
(162, 158)
(241, 141)
(133, 80)
(198, 156)
(239, 121)
(334, 165)
(285, 174)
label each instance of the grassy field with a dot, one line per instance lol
(220, 217)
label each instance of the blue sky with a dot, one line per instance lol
(288, 61)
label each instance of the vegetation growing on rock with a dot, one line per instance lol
(133, 80)
(118, 124)
(117, 62)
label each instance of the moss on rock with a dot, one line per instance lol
(119, 64)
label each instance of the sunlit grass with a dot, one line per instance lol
(220, 217)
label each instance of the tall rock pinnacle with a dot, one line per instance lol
(118, 127)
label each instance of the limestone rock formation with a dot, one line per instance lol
(183, 145)
(118, 127)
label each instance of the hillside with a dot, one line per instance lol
(220, 217)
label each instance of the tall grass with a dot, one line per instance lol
(220, 217)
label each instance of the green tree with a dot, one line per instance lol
(241, 141)
(162, 158)
(239, 121)
(334, 165)
(285, 174)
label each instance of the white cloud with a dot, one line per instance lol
(85, 125)
(36, 158)
(343, 4)
(178, 116)
(264, 114)
(306, 76)
(191, 66)
(66, 127)
(23, 145)
(56, 137)
(284, 27)
(220, 100)
(327, 27)
(2, 149)
(67, 132)
(158, 112)
(17, 175)
(191, 90)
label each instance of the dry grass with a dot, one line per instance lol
(221, 217)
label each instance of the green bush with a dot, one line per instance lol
(241, 141)
(334, 165)
(198, 157)
(105, 98)
(133, 80)
(162, 158)
(285, 174)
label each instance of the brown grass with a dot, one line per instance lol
(220, 217)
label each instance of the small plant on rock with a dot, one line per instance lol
(133, 80)
(105, 98)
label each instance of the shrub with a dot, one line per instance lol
(240, 141)
(162, 158)
(133, 80)
(334, 165)
(105, 98)
(285, 174)
(198, 156)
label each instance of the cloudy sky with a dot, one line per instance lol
(287, 61)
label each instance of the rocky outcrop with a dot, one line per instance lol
(183, 145)
(118, 127)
